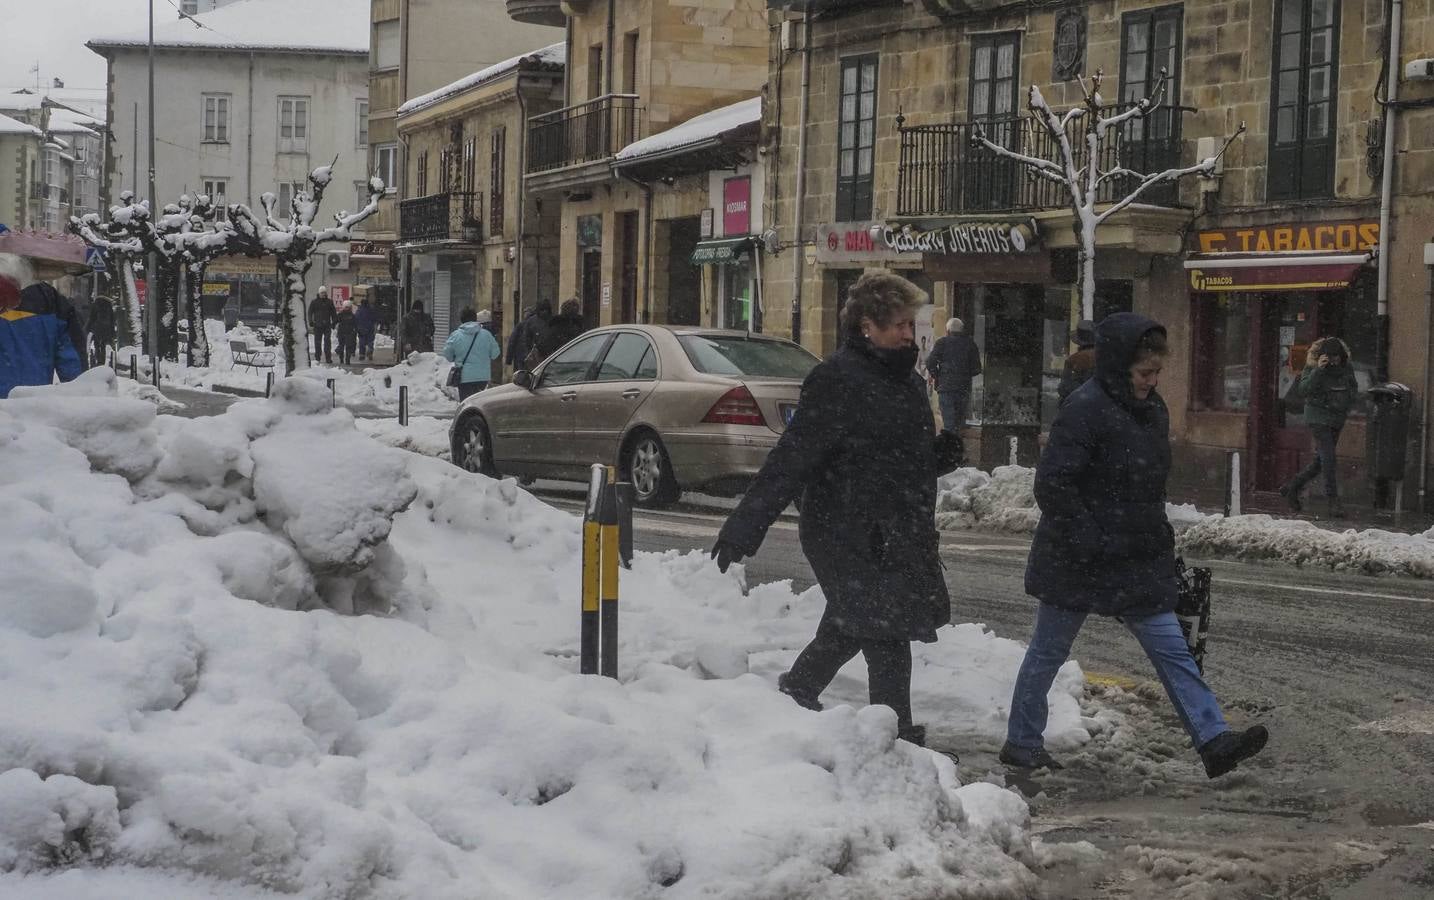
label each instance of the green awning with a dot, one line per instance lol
(720, 252)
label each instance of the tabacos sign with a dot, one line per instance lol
(965, 238)
(1312, 237)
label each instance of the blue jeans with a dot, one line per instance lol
(1159, 637)
(955, 405)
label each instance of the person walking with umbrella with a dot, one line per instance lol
(863, 456)
(1105, 546)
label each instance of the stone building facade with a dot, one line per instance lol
(1246, 270)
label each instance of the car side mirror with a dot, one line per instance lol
(523, 379)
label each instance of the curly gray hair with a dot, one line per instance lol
(878, 296)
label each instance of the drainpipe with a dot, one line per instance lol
(249, 138)
(1428, 384)
(611, 36)
(798, 248)
(522, 204)
(1381, 341)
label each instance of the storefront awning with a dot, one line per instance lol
(1224, 273)
(721, 252)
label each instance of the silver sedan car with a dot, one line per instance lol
(673, 408)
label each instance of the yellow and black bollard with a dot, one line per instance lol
(592, 572)
(611, 557)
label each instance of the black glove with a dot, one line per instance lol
(950, 452)
(726, 554)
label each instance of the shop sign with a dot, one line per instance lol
(340, 294)
(965, 239)
(849, 242)
(1312, 237)
(737, 206)
(216, 289)
(370, 248)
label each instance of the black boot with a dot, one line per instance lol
(803, 699)
(1290, 490)
(913, 734)
(1224, 752)
(1020, 758)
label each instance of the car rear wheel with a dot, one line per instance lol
(472, 448)
(650, 471)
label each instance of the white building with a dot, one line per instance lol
(21, 146)
(60, 175)
(248, 101)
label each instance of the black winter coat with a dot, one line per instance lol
(1104, 543)
(954, 360)
(561, 329)
(346, 326)
(321, 314)
(861, 454)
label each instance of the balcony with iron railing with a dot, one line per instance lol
(942, 173)
(589, 132)
(453, 217)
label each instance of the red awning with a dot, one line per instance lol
(1223, 273)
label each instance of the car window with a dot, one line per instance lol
(630, 358)
(718, 354)
(575, 363)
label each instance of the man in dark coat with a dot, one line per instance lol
(862, 455)
(1080, 365)
(321, 323)
(954, 360)
(417, 330)
(1104, 545)
(102, 330)
(367, 321)
(562, 328)
(1329, 391)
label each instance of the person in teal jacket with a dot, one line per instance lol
(1330, 391)
(474, 348)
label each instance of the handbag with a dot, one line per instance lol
(1192, 609)
(455, 374)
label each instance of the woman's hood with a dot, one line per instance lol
(1116, 339)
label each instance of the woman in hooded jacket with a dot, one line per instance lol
(863, 456)
(1104, 545)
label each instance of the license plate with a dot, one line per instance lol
(788, 412)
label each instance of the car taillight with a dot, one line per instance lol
(737, 407)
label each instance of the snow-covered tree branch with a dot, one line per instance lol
(1076, 164)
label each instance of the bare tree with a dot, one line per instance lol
(294, 241)
(1077, 168)
(121, 248)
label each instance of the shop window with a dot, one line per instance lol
(739, 307)
(856, 137)
(1302, 100)
(995, 71)
(1221, 363)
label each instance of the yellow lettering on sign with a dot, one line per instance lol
(1346, 237)
(1284, 239)
(1369, 235)
(1303, 241)
(1244, 237)
(1324, 237)
(1211, 242)
(1262, 245)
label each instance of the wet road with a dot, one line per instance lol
(1340, 667)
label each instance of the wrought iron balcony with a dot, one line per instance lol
(537, 12)
(942, 173)
(588, 132)
(454, 216)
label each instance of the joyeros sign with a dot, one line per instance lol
(965, 238)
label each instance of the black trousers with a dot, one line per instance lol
(1326, 439)
(467, 389)
(323, 346)
(888, 669)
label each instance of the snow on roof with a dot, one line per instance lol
(554, 55)
(331, 26)
(696, 130)
(15, 126)
(61, 119)
(88, 103)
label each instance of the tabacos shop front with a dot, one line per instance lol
(1260, 297)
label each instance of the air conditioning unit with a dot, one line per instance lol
(336, 259)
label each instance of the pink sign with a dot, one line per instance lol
(737, 206)
(340, 294)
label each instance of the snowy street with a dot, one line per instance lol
(1337, 664)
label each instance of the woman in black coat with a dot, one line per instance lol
(862, 455)
(1104, 545)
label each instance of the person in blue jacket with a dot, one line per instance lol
(474, 348)
(35, 342)
(1105, 545)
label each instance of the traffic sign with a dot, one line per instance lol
(95, 259)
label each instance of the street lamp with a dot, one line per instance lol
(152, 264)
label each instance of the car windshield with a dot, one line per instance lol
(719, 354)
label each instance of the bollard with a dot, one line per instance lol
(134, 368)
(114, 360)
(154, 373)
(333, 394)
(1232, 483)
(269, 384)
(608, 519)
(592, 577)
(403, 405)
(626, 499)
(1014, 444)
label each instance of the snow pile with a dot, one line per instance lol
(423, 434)
(1001, 501)
(1258, 537)
(185, 715)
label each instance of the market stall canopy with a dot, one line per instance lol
(1226, 272)
(722, 251)
(52, 255)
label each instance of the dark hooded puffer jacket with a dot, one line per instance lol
(1104, 543)
(863, 456)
